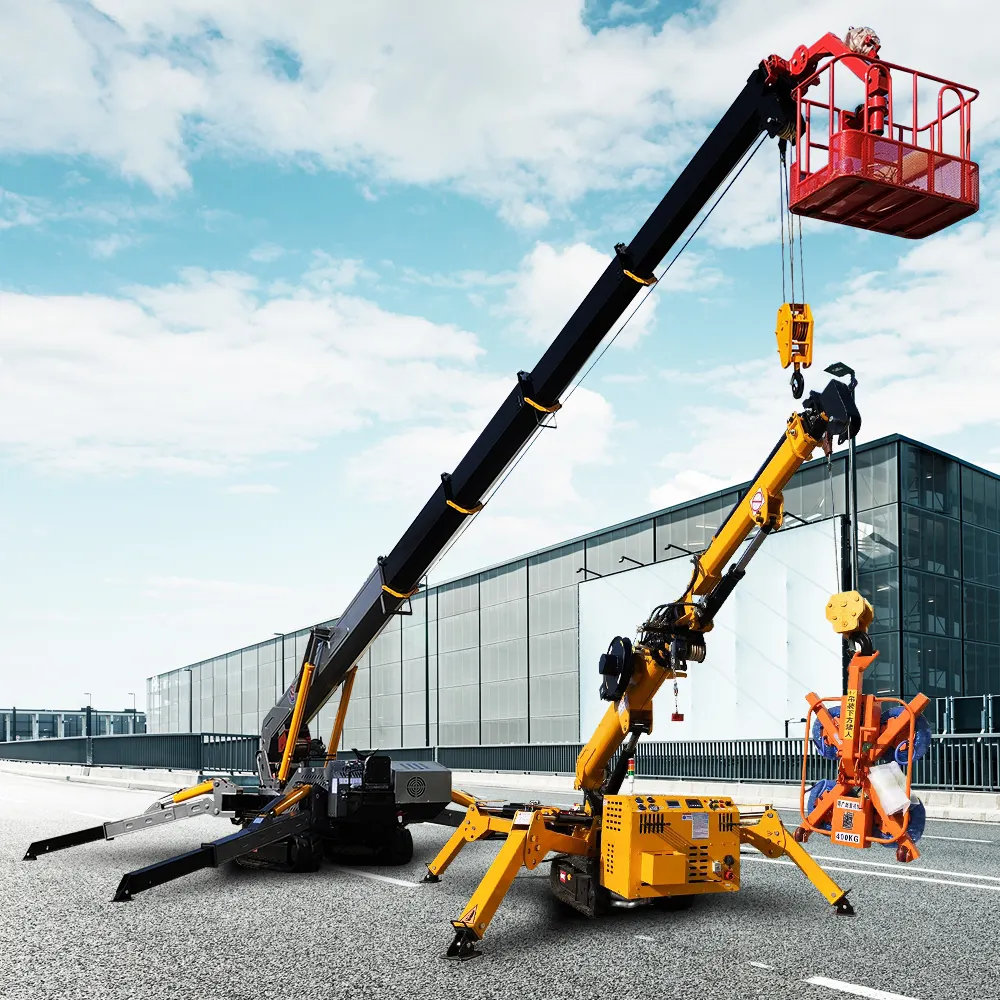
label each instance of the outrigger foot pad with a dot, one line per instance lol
(464, 946)
(843, 907)
(431, 877)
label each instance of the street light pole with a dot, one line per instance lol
(839, 370)
(133, 710)
(87, 722)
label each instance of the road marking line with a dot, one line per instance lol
(896, 875)
(374, 877)
(910, 868)
(961, 840)
(855, 990)
(760, 965)
(643, 937)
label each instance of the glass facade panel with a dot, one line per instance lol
(357, 725)
(982, 668)
(982, 614)
(504, 654)
(881, 589)
(621, 549)
(414, 673)
(692, 527)
(932, 604)
(458, 663)
(387, 686)
(818, 492)
(980, 556)
(931, 542)
(877, 477)
(878, 539)
(930, 481)
(980, 499)
(932, 665)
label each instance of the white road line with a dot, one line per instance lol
(961, 840)
(909, 868)
(760, 965)
(896, 875)
(643, 937)
(855, 990)
(376, 878)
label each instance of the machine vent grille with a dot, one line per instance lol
(698, 864)
(609, 859)
(651, 822)
(613, 816)
(727, 822)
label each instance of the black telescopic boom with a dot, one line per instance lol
(760, 107)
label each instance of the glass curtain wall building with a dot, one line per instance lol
(493, 657)
(36, 724)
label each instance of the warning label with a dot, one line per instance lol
(470, 917)
(847, 838)
(522, 817)
(699, 825)
(757, 501)
(852, 804)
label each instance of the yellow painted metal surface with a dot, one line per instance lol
(849, 612)
(338, 723)
(193, 792)
(794, 332)
(658, 845)
(296, 724)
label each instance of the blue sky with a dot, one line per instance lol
(264, 277)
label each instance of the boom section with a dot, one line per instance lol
(673, 634)
(764, 105)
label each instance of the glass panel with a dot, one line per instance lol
(931, 665)
(818, 492)
(980, 499)
(982, 668)
(878, 539)
(691, 527)
(931, 543)
(881, 589)
(621, 549)
(877, 478)
(883, 676)
(932, 604)
(980, 556)
(558, 568)
(930, 481)
(506, 583)
(982, 613)
(234, 688)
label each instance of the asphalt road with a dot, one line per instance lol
(927, 930)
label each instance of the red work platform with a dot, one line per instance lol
(882, 164)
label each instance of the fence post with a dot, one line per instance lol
(89, 751)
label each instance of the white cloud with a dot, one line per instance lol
(518, 104)
(328, 273)
(921, 337)
(540, 502)
(551, 283)
(241, 488)
(107, 246)
(204, 375)
(17, 210)
(688, 484)
(266, 253)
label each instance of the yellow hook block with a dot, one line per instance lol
(795, 334)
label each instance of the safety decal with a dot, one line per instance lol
(757, 501)
(847, 838)
(849, 804)
(522, 818)
(470, 917)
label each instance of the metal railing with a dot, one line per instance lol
(178, 751)
(953, 762)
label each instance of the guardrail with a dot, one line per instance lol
(178, 751)
(953, 762)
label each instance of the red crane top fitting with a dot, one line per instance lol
(879, 147)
